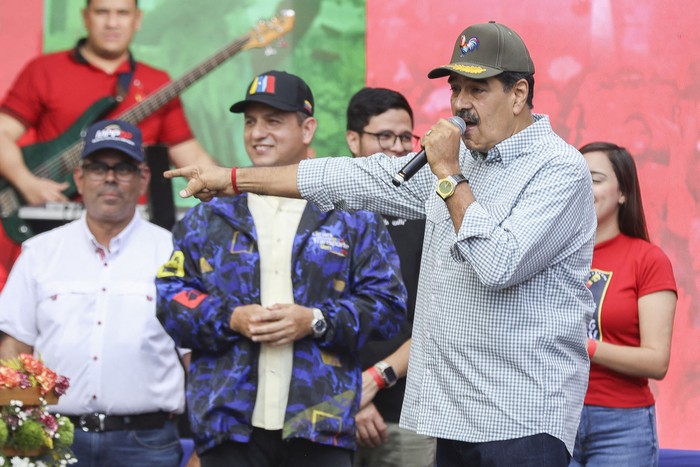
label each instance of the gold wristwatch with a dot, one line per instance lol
(446, 186)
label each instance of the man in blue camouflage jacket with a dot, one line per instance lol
(275, 297)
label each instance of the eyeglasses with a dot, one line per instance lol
(387, 139)
(123, 171)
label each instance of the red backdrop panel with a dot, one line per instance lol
(20, 37)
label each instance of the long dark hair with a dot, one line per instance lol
(630, 217)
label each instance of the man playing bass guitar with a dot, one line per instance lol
(55, 91)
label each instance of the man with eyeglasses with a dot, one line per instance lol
(83, 297)
(381, 120)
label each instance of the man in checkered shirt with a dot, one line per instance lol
(498, 366)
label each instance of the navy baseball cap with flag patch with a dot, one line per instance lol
(278, 89)
(114, 134)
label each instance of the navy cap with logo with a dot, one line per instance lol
(485, 50)
(278, 89)
(114, 134)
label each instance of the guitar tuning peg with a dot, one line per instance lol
(269, 51)
(281, 43)
(261, 25)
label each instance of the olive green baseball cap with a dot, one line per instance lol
(485, 50)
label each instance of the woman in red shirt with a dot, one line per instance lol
(630, 334)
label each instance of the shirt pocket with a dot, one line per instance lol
(61, 294)
(61, 302)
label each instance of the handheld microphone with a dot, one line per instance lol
(420, 159)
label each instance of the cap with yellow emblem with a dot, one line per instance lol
(485, 50)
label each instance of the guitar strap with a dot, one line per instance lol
(124, 80)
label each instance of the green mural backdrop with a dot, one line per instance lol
(326, 48)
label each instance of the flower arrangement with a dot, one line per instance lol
(29, 434)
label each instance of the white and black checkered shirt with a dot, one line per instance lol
(499, 338)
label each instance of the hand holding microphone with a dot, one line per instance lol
(420, 159)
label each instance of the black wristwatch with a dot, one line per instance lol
(387, 372)
(318, 324)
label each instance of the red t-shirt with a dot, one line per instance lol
(623, 270)
(54, 90)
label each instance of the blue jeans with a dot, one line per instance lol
(541, 450)
(619, 437)
(128, 448)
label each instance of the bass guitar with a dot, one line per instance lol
(57, 158)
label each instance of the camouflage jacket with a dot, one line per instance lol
(343, 263)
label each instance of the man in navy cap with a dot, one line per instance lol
(275, 298)
(82, 296)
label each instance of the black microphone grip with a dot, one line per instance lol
(420, 159)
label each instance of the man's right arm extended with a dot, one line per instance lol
(206, 182)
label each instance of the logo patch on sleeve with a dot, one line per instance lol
(190, 298)
(174, 267)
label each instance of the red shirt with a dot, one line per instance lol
(54, 90)
(623, 270)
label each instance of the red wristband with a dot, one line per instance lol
(591, 347)
(233, 181)
(381, 384)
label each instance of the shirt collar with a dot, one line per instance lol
(124, 67)
(118, 241)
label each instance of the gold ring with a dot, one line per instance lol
(428, 133)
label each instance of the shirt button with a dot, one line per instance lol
(94, 397)
(104, 289)
(99, 323)
(94, 358)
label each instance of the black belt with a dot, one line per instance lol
(99, 422)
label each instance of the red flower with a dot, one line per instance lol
(9, 378)
(47, 380)
(31, 364)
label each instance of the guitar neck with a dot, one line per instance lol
(134, 115)
(57, 161)
(165, 94)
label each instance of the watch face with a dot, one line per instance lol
(445, 187)
(390, 376)
(319, 327)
